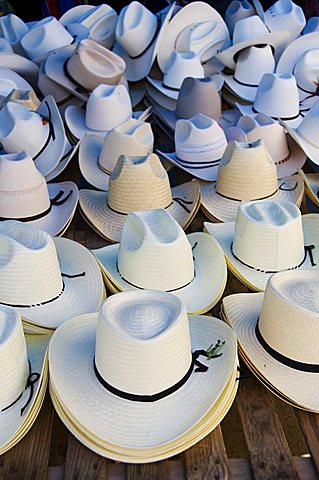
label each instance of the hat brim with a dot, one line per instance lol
(82, 293)
(89, 154)
(246, 92)
(207, 173)
(158, 100)
(74, 14)
(295, 50)
(195, 12)
(68, 154)
(210, 273)
(311, 186)
(254, 279)
(242, 312)
(225, 210)
(249, 110)
(278, 40)
(136, 425)
(137, 92)
(21, 65)
(310, 150)
(13, 425)
(18, 80)
(109, 224)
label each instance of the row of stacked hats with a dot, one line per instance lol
(122, 368)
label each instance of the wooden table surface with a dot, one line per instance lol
(261, 438)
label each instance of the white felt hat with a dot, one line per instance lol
(98, 156)
(159, 341)
(41, 134)
(252, 31)
(246, 172)
(187, 17)
(268, 237)
(25, 196)
(237, 10)
(139, 33)
(12, 28)
(284, 151)
(80, 68)
(47, 35)
(47, 280)
(10, 80)
(154, 253)
(137, 184)
(285, 15)
(24, 377)
(252, 63)
(21, 65)
(199, 145)
(277, 96)
(277, 332)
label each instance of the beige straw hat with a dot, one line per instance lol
(154, 253)
(268, 237)
(246, 172)
(137, 184)
(278, 330)
(47, 279)
(98, 156)
(311, 185)
(23, 376)
(144, 389)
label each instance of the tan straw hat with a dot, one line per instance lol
(154, 253)
(143, 390)
(277, 332)
(268, 237)
(23, 376)
(246, 172)
(311, 185)
(47, 279)
(137, 184)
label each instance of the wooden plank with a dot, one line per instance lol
(29, 459)
(83, 464)
(149, 471)
(269, 453)
(309, 423)
(208, 459)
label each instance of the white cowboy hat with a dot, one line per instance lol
(48, 280)
(252, 31)
(137, 184)
(196, 95)
(199, 145)
(21, 65)
(236, 11)
(10, 80)
(98, 156)
(40, 133)
(187, 17)
(138, 34)
(159, 385)
(277, 332)
(285, 15)
(24, 377)
(25, 195)
(246, 172)
(12, 28)
(252, 63)
(277, 97)
(5, 46)
(47, 35)
(284, 151)
(267, 237)
(191, 267)
(80, 68)
(306, 133)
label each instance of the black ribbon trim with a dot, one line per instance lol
(280, 118)
(171, 88)
(158, 27)
(281, 187)
(51, 132)
(66, 155)
(53, 202)
(197, 165)
(289, 362)
(69, 135)
(308, 250)
(178, 200)
(32, 379)
(200, 367)
(244, 84)
(104, 170)
(78, 87)
(237, 200)
(65, 100)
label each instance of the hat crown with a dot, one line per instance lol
(252, 63)
(5, 45)
(204, 38)
(135, 28)
(269, 236)
(139, 184)
(108, 106)
(277, 96)
(151, 327)
(306, 71)
(246, 172)
(101, 22)
(29, 267)
(154, 252)
(198, 95)
(199, 138)
(180, 66)
(270, 132)
(249, 28)
(23, 190)
(236, 11)
(134, 138)
(13, 356)
(289, 316)
(285, 15)
(308, 128)
(12, 28)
